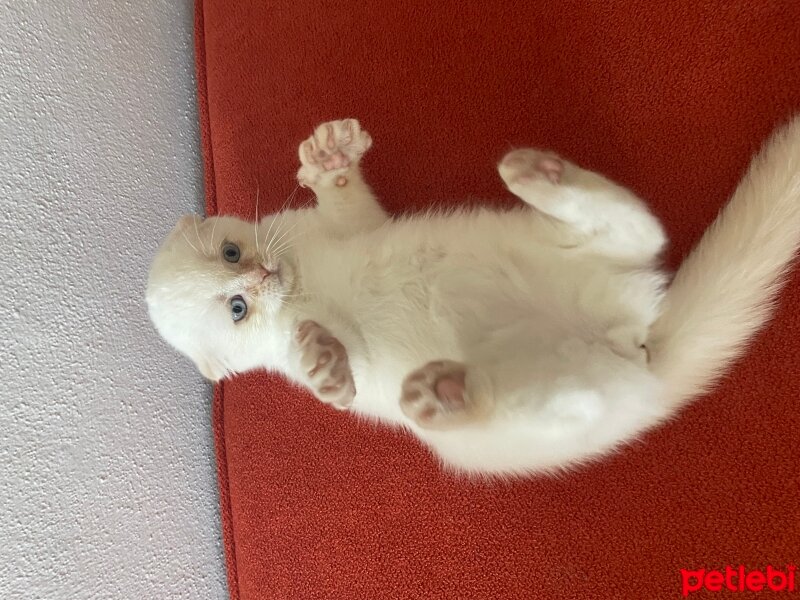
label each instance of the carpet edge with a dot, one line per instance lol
(217, 407)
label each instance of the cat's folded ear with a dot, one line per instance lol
(188, 221)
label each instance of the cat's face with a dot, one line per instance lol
(213, 292)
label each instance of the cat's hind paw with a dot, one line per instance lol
(334, 147)
(525, 166)
(438, 396)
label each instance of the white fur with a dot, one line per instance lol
(548, 305)
(725, 290)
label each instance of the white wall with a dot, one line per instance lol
(107, 478)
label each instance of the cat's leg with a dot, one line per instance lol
(447, 395)
(325, 365)
(593, 212)
(329, 162)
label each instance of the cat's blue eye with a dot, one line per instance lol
(238, 308)
(230, 252)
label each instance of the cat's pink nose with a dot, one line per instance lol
(262, 272)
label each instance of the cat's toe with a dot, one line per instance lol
(324, 360)
(436, 396)
(526, 166)
(332, 149)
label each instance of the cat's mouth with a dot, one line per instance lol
(277, 276)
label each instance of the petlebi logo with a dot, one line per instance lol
(739, 579)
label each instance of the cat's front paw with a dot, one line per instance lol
(324, 360)
(331, 151)
(438, 396)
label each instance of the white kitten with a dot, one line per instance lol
(509, 342)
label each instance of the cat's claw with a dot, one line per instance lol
(331, 151)
(526, 166)
(436, 397)
(324, 360)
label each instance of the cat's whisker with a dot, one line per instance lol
(277, 218)
(280, 252)
(199, 241)
(280, 216)
(291, 196)
(278, 239)
(183, 233)
(280, 248)
(290, 239)
(269, 230)
(312, 199)
(281, 213)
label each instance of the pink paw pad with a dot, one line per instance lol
(436, 396)
(527, 165)
(324, 360)
(334, 146)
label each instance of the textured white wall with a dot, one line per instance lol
(107, 480)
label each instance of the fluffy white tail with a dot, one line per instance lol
(725, 290)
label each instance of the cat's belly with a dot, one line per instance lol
(472, 304)
(422, 294)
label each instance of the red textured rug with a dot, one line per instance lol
(669, 98)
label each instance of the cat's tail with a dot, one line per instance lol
(725, 290)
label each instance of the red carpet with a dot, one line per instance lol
(669, 98)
